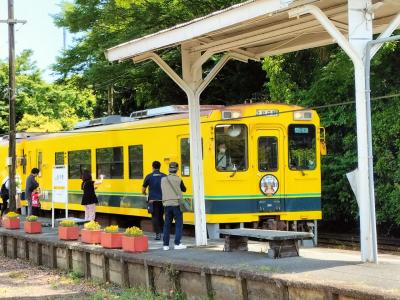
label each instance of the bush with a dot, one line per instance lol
(92, 225)
(111, 228)
(67, 223)
(12, 215)
(133, 231)
(32, 218)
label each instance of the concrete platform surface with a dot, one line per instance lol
(339, 269)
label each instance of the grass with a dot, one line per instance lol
(126, 294)
(95, 290)
(18, 275)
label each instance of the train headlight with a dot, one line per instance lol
(302, 115)
(231, 114)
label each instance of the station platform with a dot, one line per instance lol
(199, 272)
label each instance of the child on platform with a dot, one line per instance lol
(36, 202)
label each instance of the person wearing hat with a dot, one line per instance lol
(172, 187)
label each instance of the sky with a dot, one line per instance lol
(39, 33)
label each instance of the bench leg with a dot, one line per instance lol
(235, 243)
(285, 248)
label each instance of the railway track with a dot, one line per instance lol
(350, 241)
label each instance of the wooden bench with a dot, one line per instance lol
(281, 243)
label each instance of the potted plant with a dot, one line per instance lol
(32, 225)
(91, 233)
(133, 240)
(67, 230)
(11, 221)
(111, 238)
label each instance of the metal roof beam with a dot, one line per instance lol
(393, 25)
(241, 40)
(195, 28)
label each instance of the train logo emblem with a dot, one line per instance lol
(269, 185)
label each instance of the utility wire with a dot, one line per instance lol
(214, 121)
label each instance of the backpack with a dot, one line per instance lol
(4, 191)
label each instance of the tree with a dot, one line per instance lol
(39, 103)
(314, 78)
(103, 24)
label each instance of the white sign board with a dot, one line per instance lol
(60, 184)
(60, 188)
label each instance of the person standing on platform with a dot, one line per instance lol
(5, 194)
(89, 198)
(172, 187)
(30, 186)
(155, 206)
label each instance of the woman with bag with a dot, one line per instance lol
(89, 198)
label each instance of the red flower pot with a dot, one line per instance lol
(111, 239)
(68, 233)
(141, 243)
(12, 223)
(91, 236)
(135, 243)
(33, 227)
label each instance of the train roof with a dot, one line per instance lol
(146, 118)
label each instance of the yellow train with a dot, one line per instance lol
(270, 168)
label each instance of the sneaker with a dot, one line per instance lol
(158, 236)
(165, 248)
(179, 247)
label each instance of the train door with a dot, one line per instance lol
(270, 168)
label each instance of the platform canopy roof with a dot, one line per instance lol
(255, 29)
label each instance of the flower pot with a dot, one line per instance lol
(12, 223)
(33, 227)
(68, 233)
(135, 243)
(111, 239)
(91, 236)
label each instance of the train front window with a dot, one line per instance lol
(302, 151)
(267, 154)
(231, 147)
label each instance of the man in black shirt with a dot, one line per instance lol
(153, 182)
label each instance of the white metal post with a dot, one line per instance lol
(360, 33)
(197, 170)
(193, 78)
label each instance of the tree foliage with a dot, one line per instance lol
(315, 78)
(40, 105)
(103, 24)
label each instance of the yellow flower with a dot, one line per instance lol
(133, 231)
(111, 228)
(12, 215)
(67, 223)
(32, 218)
(92, 225)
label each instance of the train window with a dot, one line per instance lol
(302, 151)
(59, 158)
(231, 147)
(110, 162)
(185, 157)
(78, 161)
(40, 162)
(267, 154)
(136, 162)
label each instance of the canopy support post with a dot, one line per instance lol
(360, 33)
(193, 85)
